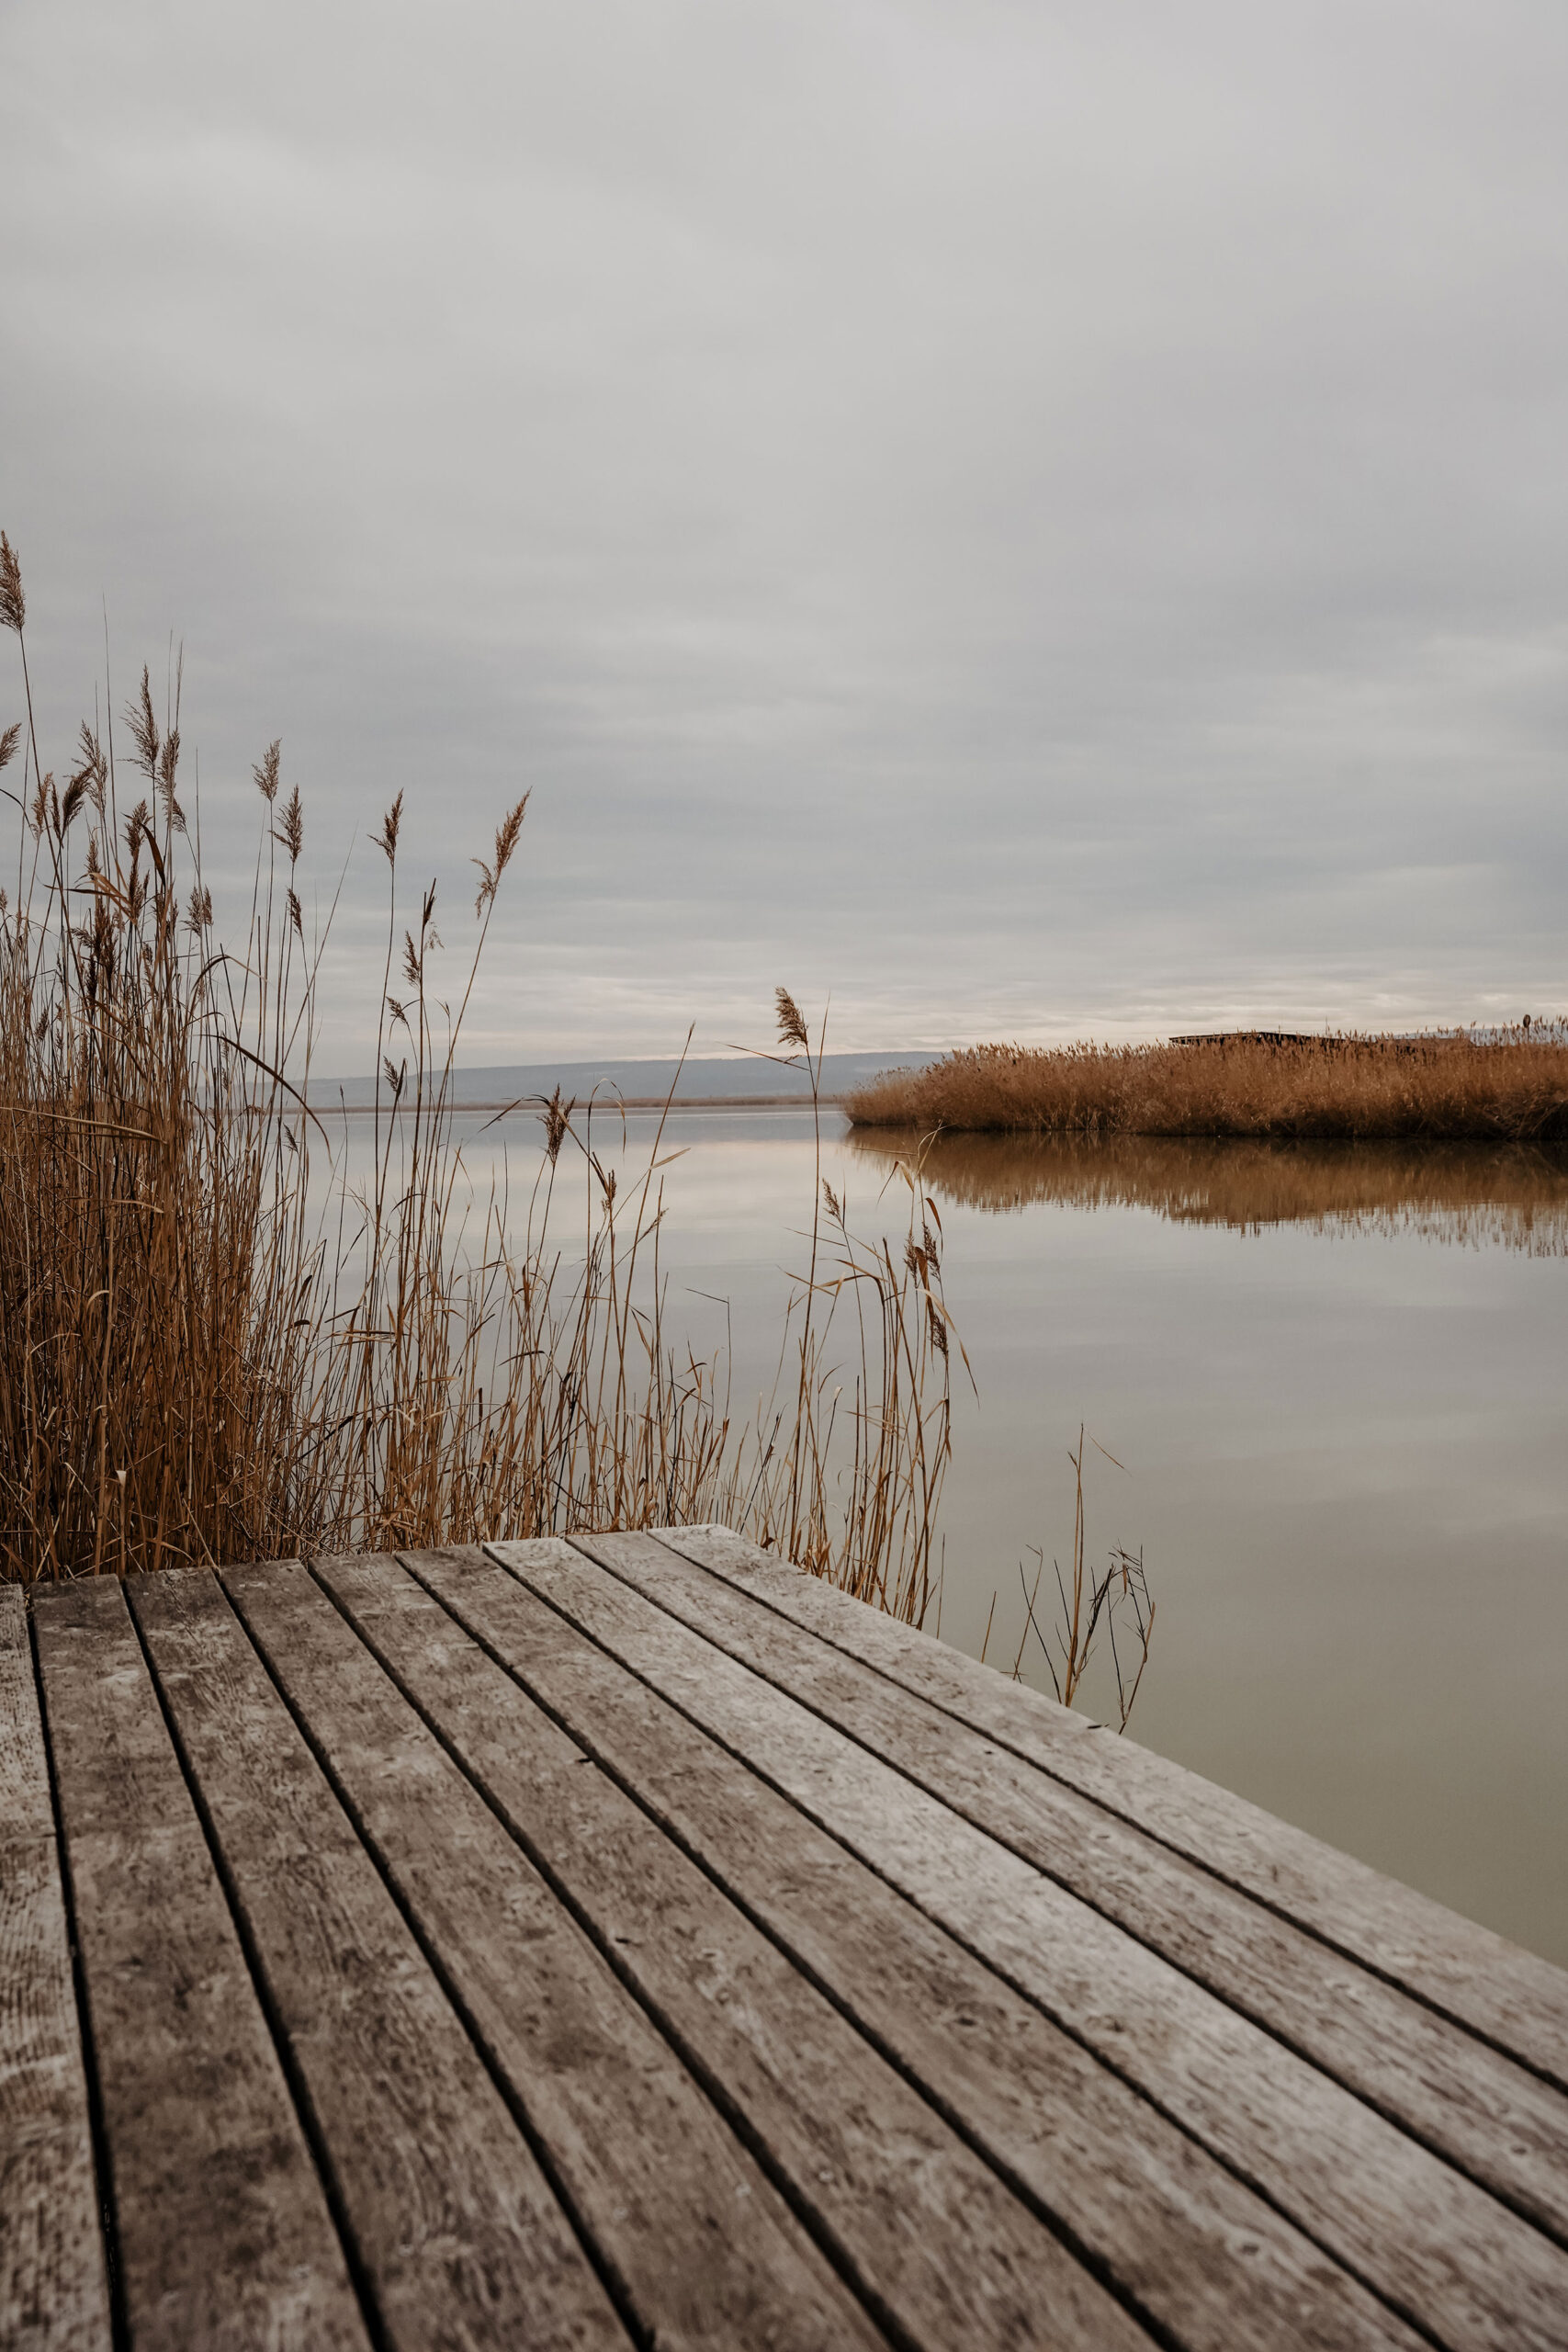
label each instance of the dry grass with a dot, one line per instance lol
(199, 1361)
(1513, 1089)
(1090, 1602)
(1513, 1196)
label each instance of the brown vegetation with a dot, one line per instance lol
(1512, 1087)
(1513, 1195)
(199, 1361)
(1090, 1602)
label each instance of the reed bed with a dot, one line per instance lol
(1512, 1087)
(215, 1346)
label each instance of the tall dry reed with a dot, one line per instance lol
(1090, 1602)
(215, 1344)
(1512, 1086)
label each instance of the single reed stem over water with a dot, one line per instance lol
(201, 1363)
(1091, 1602)
(1511, 1086)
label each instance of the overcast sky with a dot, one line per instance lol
(1040, 519)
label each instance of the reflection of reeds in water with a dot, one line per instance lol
(1510, 1195)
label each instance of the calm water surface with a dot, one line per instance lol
(1336, 1378)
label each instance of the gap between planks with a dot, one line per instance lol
(1424, 2234)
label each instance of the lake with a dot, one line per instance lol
(1335, 1376)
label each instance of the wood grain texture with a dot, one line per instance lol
(1495, 2118)
(458, 2231)
(707, 2252)
(1441, 2250)
(631, 1941)
(224, 2234)
(1513, 1997)
(932, 2240)
(1201, 2257)
(53, 2284)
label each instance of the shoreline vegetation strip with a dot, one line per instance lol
(1511, 1086)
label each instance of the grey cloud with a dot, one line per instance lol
(1037, 519)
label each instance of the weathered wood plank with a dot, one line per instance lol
(53, 2284)
(707, 2252)
(1208, 2261)
(224, 2234)
(1513, 1997)
(938, 2246)
(1493, 2117)
(1441, 2250)
(458, 2231)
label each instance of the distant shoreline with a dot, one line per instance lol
(606, 1103)
(692, 1083)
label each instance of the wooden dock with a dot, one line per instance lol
(636, 1942)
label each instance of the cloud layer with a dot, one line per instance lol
(1033, 520)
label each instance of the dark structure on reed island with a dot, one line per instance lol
(1324, 1042)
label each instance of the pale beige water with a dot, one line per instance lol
(1338, 1380)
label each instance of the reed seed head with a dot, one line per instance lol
(792, 1022)
(13, 603)
(291, 834)
(386, 841)
(75, 793)
(266, 770)
(143, 728)
(558, 1119)
(91, 769)
(505, 843)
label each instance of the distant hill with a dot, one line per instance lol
(729, 1079)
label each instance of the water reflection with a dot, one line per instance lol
(1347, 1449)
(1509, 1195)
